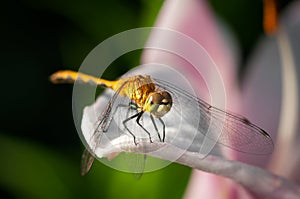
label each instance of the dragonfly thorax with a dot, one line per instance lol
(158, 103)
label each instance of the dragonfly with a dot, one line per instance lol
(156, 97)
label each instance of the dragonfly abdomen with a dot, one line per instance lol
(68, 76)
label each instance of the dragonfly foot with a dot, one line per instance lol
(159, 137)
(150, 140)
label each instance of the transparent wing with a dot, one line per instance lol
(113, 114)
(136, 163)
(87, 160)
(101, 127)
(236, 132)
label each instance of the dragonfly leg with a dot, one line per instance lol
(133, 105)
(138, 121)
(154, 124)
(128, 119)
(164, 129)
(138, 115)
(130, 106)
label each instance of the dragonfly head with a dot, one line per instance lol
(158, 103)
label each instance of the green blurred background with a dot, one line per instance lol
(39, 146)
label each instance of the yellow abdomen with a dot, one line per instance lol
(136, 88)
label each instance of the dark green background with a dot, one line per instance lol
(39, 148)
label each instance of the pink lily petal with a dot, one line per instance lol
(273, 87)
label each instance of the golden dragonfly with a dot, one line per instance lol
(153, 96)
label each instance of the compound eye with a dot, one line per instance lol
(166, 98)
(156, 98)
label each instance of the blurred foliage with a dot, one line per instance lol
(40, 148)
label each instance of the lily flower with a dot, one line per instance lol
(268, 98)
